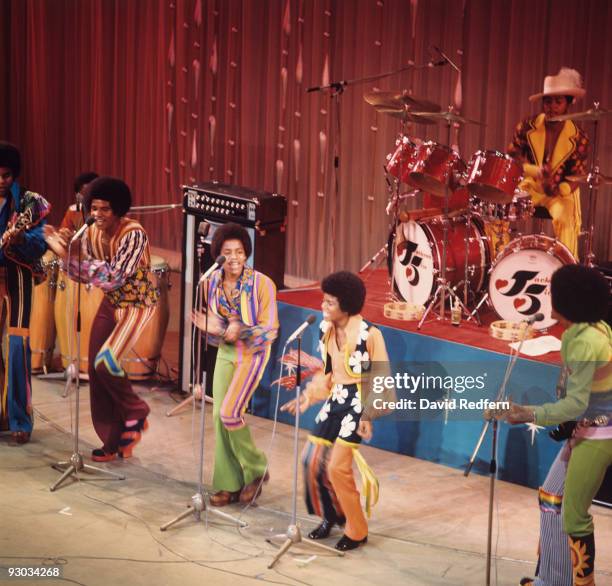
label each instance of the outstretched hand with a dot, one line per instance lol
(365, 430)
(290, 406)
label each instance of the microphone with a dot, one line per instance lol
(88, 222)
(203, 230)
(445, 58)
(309, 320)
(535, 318)
(220, 260)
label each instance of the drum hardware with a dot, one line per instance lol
(443, 287)
(398, 99)
(449, 117)
(594, 114)
(594, 177)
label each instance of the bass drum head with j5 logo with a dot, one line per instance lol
(418, 249)
(519, 286)
(413, 264)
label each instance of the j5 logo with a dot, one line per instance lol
(520, 287)
(407, 257)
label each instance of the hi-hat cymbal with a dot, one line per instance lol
(592, 114)
(447, 116)
(405, 115)
(399, 100)
(597, 179)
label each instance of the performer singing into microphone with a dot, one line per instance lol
(348, 345)
(22, 244)
(552, 151)
(580, 298)
(75, 215)
(115, 258)
(242, 313)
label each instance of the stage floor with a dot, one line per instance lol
(378, 293)
(428, 529)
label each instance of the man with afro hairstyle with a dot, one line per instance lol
(580, 296)
(348, 346)
(243, 316)
(74, 217)
(115, 257)
(22, 216)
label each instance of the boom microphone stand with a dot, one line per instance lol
(75, 465)
(198, 500)
(294, 534)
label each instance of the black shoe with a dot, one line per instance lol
(346, 543)
(324, 529)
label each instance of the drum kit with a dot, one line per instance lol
(437, 252)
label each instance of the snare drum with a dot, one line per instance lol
(520, 208)
(142, 360)
(519, 285)
(493, 176)
(42, 322)
(435, 168)
(417, 256)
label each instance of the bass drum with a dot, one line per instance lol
(417, 256)
(519, 286)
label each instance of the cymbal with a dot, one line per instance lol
(592, 114)
(405, 115)
(399, 100)
(598, 179)
(447, 116)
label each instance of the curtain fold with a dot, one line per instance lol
(168, 92)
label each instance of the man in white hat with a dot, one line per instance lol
(552, 151)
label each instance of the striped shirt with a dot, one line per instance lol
(123, 275)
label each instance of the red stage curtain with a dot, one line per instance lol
(167, 92)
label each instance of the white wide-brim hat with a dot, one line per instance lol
(566, 83)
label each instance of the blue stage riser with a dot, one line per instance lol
(428, 437)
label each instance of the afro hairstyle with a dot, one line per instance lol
(11, 158)
(580, 294)
(348, 288)
(230, 231)
(84, 179)
(112, 190)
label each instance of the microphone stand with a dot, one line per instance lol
(493, 462)
(294, 534)
(75, 465)
(337, 89)
(197, 393)
(198, 500)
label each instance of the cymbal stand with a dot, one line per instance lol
(443, 287)
(589, 259)
(393, 190)
(466, 282)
